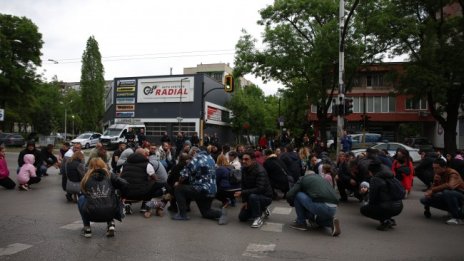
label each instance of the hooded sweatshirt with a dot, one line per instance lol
(27, 169)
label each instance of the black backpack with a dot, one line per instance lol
(235, 176)
(396, 189)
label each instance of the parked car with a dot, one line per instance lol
(420, 143)
(12, 139)
(88, 139)
(391, 148)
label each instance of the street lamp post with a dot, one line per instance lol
(179, 119)
(73, 125)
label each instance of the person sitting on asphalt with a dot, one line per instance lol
(234, 160)
(424, 170)
(5, 180)
(115, 157)
(141, 178)
(31, 149)
(173, 177)
(225, 186)
(347, 178)
(49, 159)
(278, 173)
(256, 191)
(292, 161)
(27, 173)
(403, 169)
(73, 170)
(446, 193)
(457, 163)
(98, 201)
(201, 175)
(314, 200)
(382, 205)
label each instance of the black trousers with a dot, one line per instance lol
(256, 204)
(7, 183)
(188, 192)
(346, 185)
(383, 211)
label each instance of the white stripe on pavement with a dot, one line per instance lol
(258, 250)
(13, 249)
(282, 210)
(76, 225)
(272, 227)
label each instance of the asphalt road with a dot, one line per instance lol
(40, 225)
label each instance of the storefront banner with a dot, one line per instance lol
(155, 90)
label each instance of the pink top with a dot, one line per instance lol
(4, 172)
(27, 170)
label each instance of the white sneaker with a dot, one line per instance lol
(455, 221)
(257, 223)
(266, 213)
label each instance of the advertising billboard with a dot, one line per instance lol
(172, 89)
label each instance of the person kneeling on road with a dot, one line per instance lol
(201, 175)
(256, 191)
(314, 200)
(143, 182)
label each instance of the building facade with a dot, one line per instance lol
(170, 104)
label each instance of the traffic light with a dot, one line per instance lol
(229, 83)
(348, 106)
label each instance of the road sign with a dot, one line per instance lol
(2, 114)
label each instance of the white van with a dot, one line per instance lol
(117, 132)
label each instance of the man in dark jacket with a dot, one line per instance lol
(381, 204)
(292, 161)
(141, 179)
(48, 159)
(256, 191)
(277, 171)
(424, 170)
(316, 200)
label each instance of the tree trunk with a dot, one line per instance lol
(449, 129)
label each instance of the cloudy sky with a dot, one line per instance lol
(140, 37)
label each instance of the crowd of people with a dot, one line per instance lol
(171, 175)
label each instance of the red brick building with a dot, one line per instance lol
(374, 95)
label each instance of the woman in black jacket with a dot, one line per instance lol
(99, 201)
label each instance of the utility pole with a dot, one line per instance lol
(341, 71)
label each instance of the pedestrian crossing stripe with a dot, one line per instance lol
(272, 227)
(282, 210)
(13, 249)
(258, 250)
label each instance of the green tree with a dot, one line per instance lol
(92, 87)
(432, 34)
(254, 113)
(301, 44)
(20, 45)
(45, 110)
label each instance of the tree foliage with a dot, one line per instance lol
(20, 45)
(301, 45)
(432, 34)
(92, 86)
(254, 113)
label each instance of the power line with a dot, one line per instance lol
(150, 56)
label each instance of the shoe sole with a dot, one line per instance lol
(336, 228)
(299, 228)
(110, 233)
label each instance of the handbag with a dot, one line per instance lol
(71, 186)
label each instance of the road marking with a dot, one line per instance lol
(76, 225)
(282, 210)
(272, 227)
(13, 249)
(258, 250)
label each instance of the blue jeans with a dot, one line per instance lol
(306, 208)
(80, 205)
(447, 200)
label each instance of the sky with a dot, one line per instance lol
(140, 37)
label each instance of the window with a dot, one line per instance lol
(374, 80)
(155, 129)
(369, 104)
(416, 104)
(377, 104)
(385, 104)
